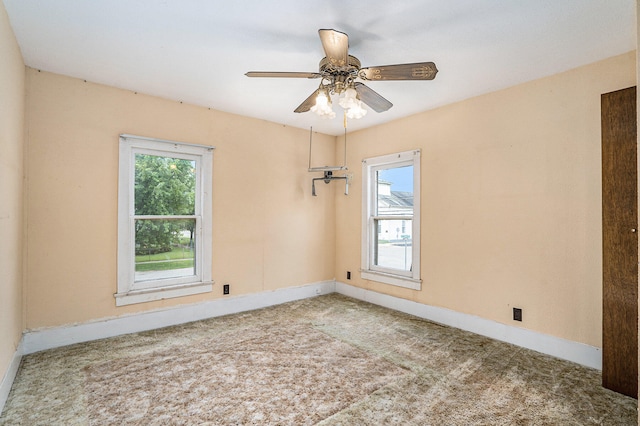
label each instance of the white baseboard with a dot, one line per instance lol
(49, 338)
(9, 376)
(580, 353)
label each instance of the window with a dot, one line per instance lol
(164, 220)
(391, 219)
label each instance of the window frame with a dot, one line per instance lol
(408, 279)
(128, 290)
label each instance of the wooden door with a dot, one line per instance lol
(620, 242)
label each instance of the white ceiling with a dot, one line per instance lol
(197, 51)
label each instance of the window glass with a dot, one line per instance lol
(399, 181)
(164, 186)
(164, 248)
(394, 195)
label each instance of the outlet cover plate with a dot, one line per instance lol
(517, 314)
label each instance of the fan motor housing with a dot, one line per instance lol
(353, 66)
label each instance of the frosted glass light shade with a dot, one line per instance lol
(323, 106)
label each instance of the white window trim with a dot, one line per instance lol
(128, 291)
(408, 279)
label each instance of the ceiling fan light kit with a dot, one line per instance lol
(338, 72)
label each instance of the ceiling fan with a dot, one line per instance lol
(338, 73)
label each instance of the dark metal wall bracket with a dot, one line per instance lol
(328, 177)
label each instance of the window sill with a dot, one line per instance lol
(397, 280)
(159, 293)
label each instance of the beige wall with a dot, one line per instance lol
(269, 232)
(511, 201)
(11, 184)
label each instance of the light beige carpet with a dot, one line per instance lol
(329, 360)
(269, 374)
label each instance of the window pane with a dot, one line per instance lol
(393, 248)
(395, 191)
(164, 248)
(164, 185)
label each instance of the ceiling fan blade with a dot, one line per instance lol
(336, 47)
(416, 71)
(308, 103)
(283, 74)
(372, 98)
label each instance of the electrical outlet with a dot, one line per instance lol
(517, 314)
(225, 289)
(348, 275)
